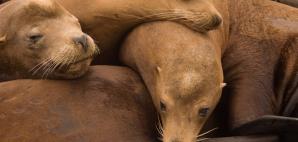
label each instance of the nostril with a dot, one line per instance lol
(82, 41)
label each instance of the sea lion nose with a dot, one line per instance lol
(82, 41)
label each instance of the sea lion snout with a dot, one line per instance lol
(82, 42)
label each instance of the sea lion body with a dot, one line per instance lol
(108, 21)
(108, 104)
(40, 39)
(260, 63)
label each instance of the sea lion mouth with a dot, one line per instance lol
(64, 68)
(82, 60)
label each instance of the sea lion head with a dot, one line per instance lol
(41, 39)
(183, 73)
(187, 91)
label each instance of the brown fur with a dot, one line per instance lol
(261, 33)
(37, 40)
(289, 2)
(257, 44)
(182, 71)
(50, 11)
(109, 104)
(109, 21)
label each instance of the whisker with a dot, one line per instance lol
(203, 139)
(44, 64)
(47, 69)
(38, 65)
(159, 131)
(210, 131)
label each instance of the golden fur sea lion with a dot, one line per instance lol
(182, 71)
(40, 39)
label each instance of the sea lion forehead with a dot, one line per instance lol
(43, 8)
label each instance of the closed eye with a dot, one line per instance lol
(35, 38)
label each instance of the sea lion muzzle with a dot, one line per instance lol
(82, 41)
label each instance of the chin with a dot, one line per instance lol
(74, 71)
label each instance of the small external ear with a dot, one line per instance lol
(222, 85)
(2, 39)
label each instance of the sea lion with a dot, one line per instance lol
(261, 63)
(108, 21)
(258, 47)
(182, 71)
(40, 39)
(108, 104)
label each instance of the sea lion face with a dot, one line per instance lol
(187, 93)
(185, 108)
(44, 40)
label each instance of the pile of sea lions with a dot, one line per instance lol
(162, 70)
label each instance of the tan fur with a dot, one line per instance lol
(109, 20)
(182, 72)
(39, 41)
(2, 39)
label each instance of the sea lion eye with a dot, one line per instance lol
(203, 112)
(163, 107)
(35, 38)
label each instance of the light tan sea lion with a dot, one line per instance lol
(183, 73)
(109, 104)
(108, 21)
(40, 39)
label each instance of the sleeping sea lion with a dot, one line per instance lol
(108, 104)
(40, 39)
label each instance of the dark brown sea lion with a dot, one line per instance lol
(109, 20)
(109, 104)
(261, 62)
(40, 39)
